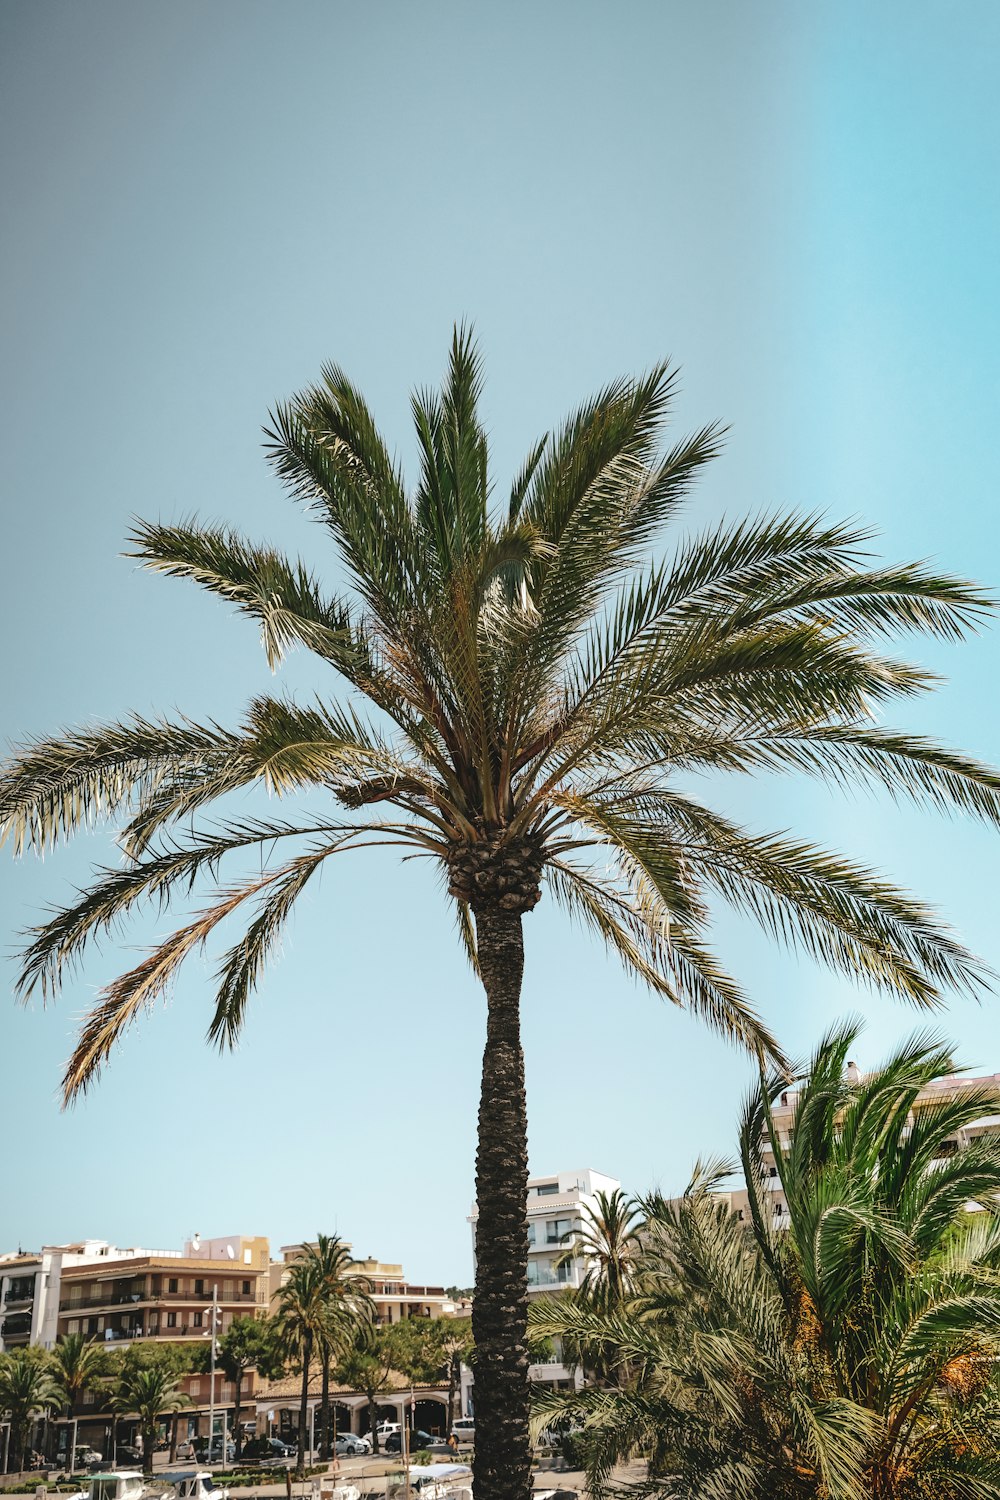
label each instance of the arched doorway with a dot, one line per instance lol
(431, 1415)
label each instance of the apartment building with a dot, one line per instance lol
(22, 1299)
(556, 1209)
(936, 1092)
(394, 1297)
(29, 1288)
(166, 1294)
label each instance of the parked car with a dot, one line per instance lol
(385, 1430)
(353, 1447)
(128, 1453)
(265, 1448)
(418, 1439)
(463, 1429)
(213, 1455)
(85, 1456)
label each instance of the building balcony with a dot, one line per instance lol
(20, 1303)
(153, 1299)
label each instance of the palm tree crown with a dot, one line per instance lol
(78, 1365)
(608, 1240)
(532, 691)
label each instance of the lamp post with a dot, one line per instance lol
(211, 1377)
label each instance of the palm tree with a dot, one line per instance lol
(852, 1353)
(78, 1365)
(346, 1305)
(607, 1241)
(26, 1389)
(148, 1392)
(303, 1318)
(541, 694)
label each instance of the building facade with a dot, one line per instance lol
(165, 1295)
(556, 1210)
(394, 1297)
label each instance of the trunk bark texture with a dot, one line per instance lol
(148, 1444)
(373, 1421)
(502, 1462)
(304, 1405)
(324, 1417)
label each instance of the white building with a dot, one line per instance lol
(29, 1288)
(556, 1209)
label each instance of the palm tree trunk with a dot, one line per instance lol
(451, 1391)
(324, 1410)
(148, 1444)
(300, 1466)
(502, 1463)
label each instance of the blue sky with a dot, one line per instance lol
(799, 204)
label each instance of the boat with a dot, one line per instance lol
(432, 1482)
(194, 1484)
(115, 1484)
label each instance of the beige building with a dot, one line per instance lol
(935, 1093)
(394, 1297)
(166, 1295)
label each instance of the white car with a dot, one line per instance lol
(353, 1447)
(463, 1429)
(384, 1430)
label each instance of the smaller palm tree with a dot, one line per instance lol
(304, 1318)
(148, 1393)
(608, 1241)
(78, 1365)
(346, 1306)
(26, 1389)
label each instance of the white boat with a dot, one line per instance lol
(195, 1484)
(118, 1484)
(432, 1482)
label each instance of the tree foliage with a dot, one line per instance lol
(847, 1348)
(539, 696)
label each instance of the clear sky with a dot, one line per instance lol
(201, 204)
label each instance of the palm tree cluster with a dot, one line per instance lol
(28, 1387)
(34, 1381)
(321, 1307)
(536, 680)
(848, 1349)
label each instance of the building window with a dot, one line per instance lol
(172, 1284)
(246, 1288)
(171, 1320)
(197, 1320)
(531, 1234)
(199, 1288)
(556, 1230)
(545, 1188)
